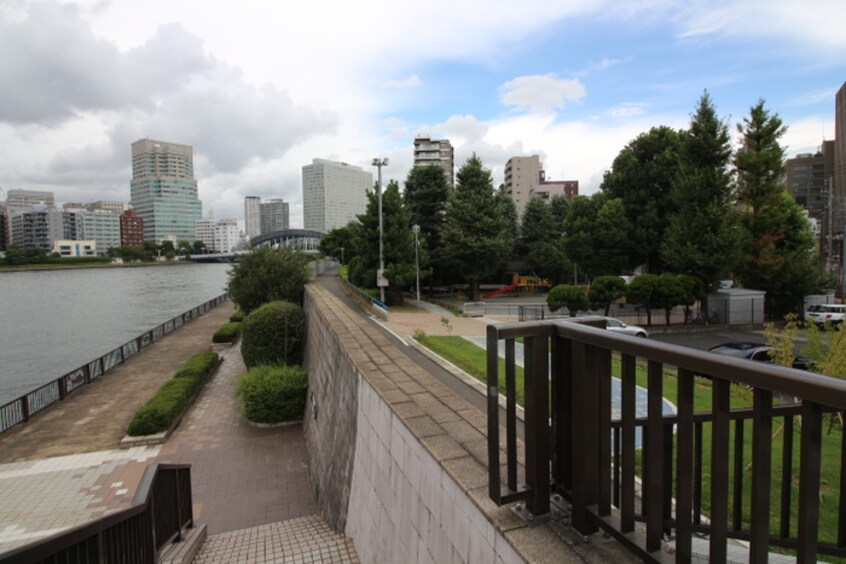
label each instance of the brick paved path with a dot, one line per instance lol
(96, 416)
(242, 476)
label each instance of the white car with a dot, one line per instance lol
(826, 313)
(613, 324)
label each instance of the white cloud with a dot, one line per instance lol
(627, 110)
(409, 83)
(541, 93)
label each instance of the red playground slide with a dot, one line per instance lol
(505, 289)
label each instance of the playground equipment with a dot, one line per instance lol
(526, 284)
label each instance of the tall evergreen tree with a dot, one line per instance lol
(778, 243)
(596, 235)
(560, 208)
(702, 238)
(642, 176)
(538, 226)
(478, 234)
(426, 193)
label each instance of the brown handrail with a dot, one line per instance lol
(598, 476)
(160, 510)
(20, 409)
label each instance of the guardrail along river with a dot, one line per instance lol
(54, 321)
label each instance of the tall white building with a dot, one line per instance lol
(102, 227)
(252, 216)
(334, 193)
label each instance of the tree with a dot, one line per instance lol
(569, 296)
(667, 293)
(778, 254)
(167, 247)
(604, 290)
(183, 247)
(641, 291)
(538, 225)
(478, 234)
(596, 235)
(426, 194)
(692, 292)
(548, 260)
(642, 177)
(702, 238)
(264, 275)
(199, 247)
(338, 243)
(560, 207)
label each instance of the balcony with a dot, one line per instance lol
(656, 481)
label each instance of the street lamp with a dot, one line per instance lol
(379, 163)
(416, 230)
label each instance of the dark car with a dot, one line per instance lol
(756, 351)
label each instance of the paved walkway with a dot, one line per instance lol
(96, 416)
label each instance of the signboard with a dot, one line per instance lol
(381, 281)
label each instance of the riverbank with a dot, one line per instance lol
(48, 267)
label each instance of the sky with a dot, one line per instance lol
(260, 88)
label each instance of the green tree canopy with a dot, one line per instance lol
(426, 194)
(338, 243)
(264, 275)
(604, 290)
(479, 231)
(642, 177)
(702, 238)
(641, 291)
(667, 293)
(569, 296)
(596, 235)
(538, 226)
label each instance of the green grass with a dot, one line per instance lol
(472, 359)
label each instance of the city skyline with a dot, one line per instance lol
(572, 82)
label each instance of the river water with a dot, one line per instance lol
(52, 322)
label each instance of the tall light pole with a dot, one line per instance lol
(379, 163)
(416, 230)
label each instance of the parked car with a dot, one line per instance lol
(759, 352)
(613, 324)
(826, 313)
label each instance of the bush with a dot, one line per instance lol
(227, 333)
(273, 334)
(569, 296)
(238, 316)
(266, 275)
(273, 394)
(173, 397)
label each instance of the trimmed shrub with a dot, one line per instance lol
(227, 333)
(273, 334)
(566, 295)
(265, 275)
(173, 397)
(238, 316)
(273, 394)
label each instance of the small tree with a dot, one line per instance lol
(692, 292)
(273, 334)
(569, 296)
(640, 291)
(266, 274)
(604, 290)
(668, 293)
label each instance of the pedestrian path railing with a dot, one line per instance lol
(22, 408)
(755, 473)
(363, 297)
(160, 512)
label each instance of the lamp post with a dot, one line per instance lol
(379, 163)
(416, 230)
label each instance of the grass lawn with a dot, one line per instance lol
(471, 358)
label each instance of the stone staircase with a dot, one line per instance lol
(300, 540)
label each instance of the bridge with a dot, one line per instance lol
(304, 240)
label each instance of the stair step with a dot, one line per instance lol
(304, 539)
(184, 551)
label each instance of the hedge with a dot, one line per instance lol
(160, 413)
(238, 316)
(227, 333)
(273, 334)
(273, 394)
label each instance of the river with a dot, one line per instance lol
(54, 321)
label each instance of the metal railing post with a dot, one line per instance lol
(537, 423)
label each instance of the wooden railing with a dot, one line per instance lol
(22, 408)
(659, 470)
(160, 512)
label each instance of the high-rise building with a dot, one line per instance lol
(164, 191)
(131, 229)
(274, 216)
(840, 143)
(334, 193)
(808, 179)
(438, 152)
(102, 227)
(218, 235)
(522, 175)
(252, 216)
(38, 228)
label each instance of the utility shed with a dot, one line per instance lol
(737, 306)
(818, 299)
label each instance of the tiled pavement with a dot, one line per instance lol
(301, 540)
